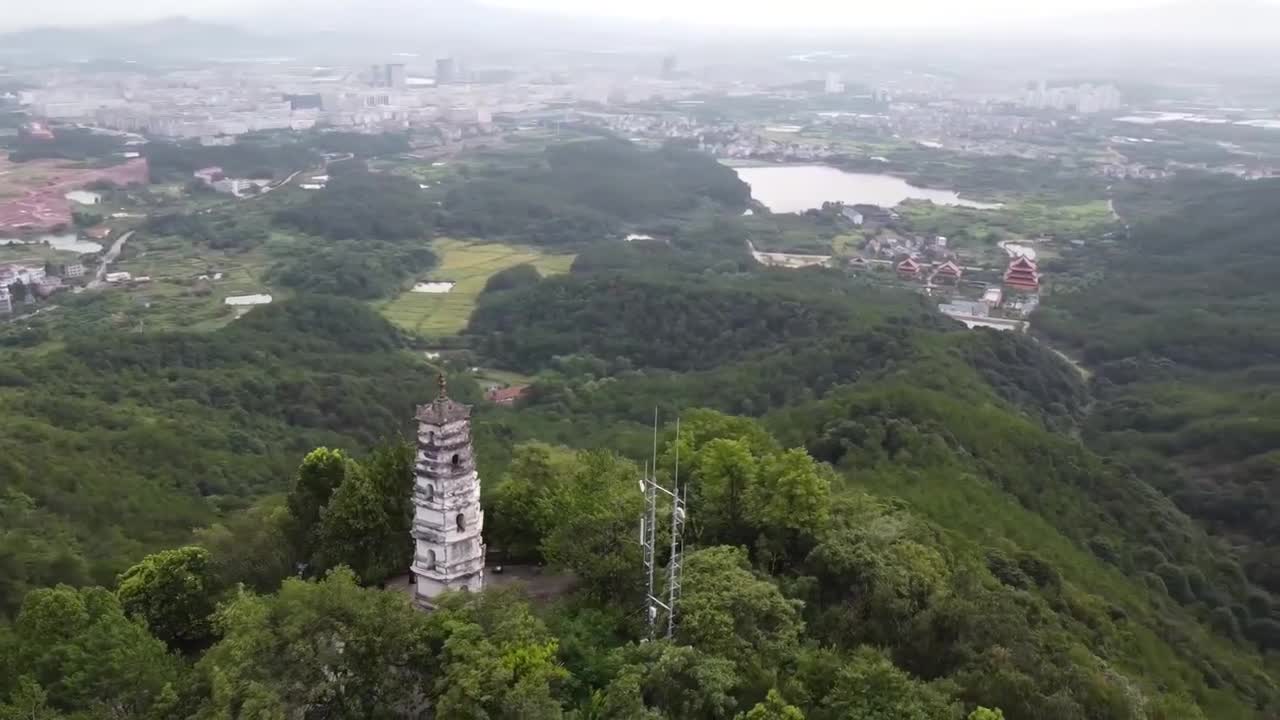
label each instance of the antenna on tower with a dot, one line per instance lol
(648, 526)
(676, 565)
(654, 605)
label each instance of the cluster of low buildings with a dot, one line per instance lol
(215, 179)
(22, 283)
(1016, 297)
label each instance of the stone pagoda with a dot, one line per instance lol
(447, 519)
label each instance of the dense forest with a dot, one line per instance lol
(1181, 331)
(582, 192)
(116, 445)
(891, 517)
(260, 158)
(68, 143)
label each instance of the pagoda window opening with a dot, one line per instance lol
(462, 522)
(431, 559)
(454, 460)
(431, 437)
(431, 492)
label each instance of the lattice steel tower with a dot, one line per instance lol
(654, 604)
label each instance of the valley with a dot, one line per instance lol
(947, 438)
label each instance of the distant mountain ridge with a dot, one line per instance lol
(176, 36)
(349, 29)
(275, 29)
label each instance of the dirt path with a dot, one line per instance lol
(1085, 373)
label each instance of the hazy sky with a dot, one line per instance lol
(832, 14)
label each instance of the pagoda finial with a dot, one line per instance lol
(444, 395)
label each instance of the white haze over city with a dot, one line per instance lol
(825, 15)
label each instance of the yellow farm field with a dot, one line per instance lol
(469, 265)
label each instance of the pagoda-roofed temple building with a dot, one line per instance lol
(1022, 275)
(449, 550)
(948, 273)
(909, 269)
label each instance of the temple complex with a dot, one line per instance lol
(449, 551)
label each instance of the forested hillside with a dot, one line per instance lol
(957, 422)
(1182, 332)
(890, 516)
(118, 445)
(582, 192)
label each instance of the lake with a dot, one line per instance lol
(796, 188)
(66, 243)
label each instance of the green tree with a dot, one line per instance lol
(28, 702)
(516, 276)
(728, 612)
(790, 503)
(356, 530)
(498, 660)
(252, 547)
(319, 475)
(775, 707)
(701, 426)
(622, 699)
(87, 655)
(982, 713)
(174, 593)
(676, 681)
(325, 649)
(724, 472)
(870, 687)
(517, 518)
(593, 515)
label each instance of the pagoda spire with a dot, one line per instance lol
(443, 385)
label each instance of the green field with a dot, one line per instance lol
(470, 265)
(175, 298)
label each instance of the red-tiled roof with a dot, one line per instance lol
(507, 395)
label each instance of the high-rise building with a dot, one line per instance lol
(395, 76)
(669, 66)
(833, 85)
(449, 549)
(446, 71)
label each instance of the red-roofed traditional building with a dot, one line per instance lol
(908, 269)
(948, 272)
(507, 395)
(1022, 275)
